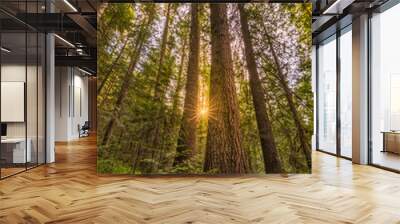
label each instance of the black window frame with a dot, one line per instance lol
(338, 33)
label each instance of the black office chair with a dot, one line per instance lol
(84, 130)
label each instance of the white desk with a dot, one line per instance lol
(18, 144)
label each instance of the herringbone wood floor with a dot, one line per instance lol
(69, 191)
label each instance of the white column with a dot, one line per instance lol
(360, 90)
(50, 98)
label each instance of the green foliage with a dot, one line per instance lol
(118, 17)
(112, 166)
(194, 166)
(301, 16)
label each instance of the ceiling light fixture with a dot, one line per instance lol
(70, 5)
(65, 41)
(337, 7)
(5, 50)
(79, 51)
(84, 71)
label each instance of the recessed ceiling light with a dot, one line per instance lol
(65, 41)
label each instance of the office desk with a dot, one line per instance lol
(391, 141)
(13, 150)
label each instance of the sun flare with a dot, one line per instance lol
(203, 112)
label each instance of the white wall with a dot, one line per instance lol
(80, 105)
(62, 81)
(71, 102)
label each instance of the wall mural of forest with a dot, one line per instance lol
(204, 88)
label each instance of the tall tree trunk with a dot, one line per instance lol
(154, 137)
(270, 153)
(114, 63)
(179, 85)
(172, 127)
(163, 48)
(127, 80)
(224, 151)
(186, 147)
(305, 146)
(295, 162)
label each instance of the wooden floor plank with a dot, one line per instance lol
(70, 191)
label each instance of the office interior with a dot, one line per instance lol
(48, 79)
(357, 81)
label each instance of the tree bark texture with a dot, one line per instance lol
(163, 48)
(270, 153)
(224, 150)
(187, 143)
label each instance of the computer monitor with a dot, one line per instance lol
(3, 129)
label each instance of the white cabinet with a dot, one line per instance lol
(19, 155)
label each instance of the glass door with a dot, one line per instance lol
(346, 92)
(14, 153)
(327, 95)
(385, 89)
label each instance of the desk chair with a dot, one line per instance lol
(84, 130)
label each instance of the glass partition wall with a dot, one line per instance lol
(385, 89)
(22, 88)
(334, 93)
(327, 95)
